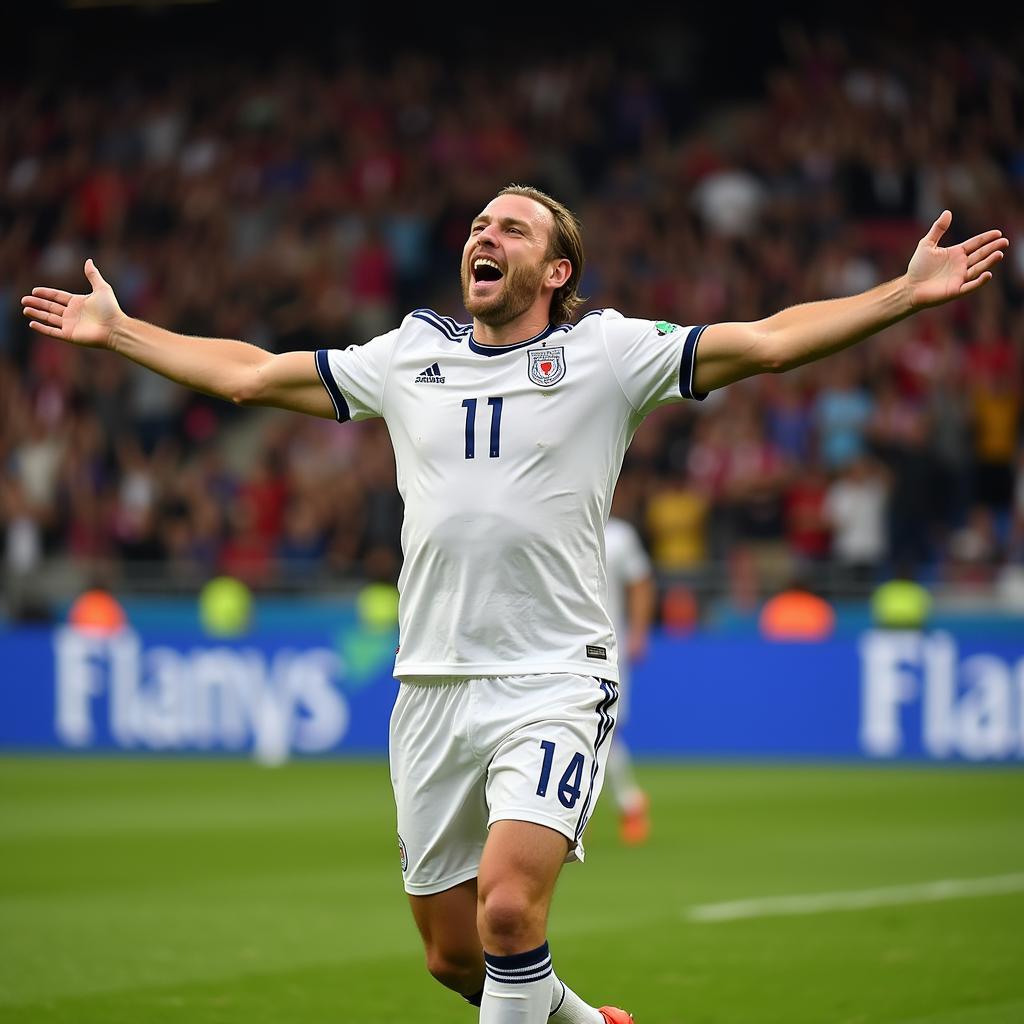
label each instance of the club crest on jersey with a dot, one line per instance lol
(547, 365)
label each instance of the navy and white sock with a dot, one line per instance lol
(568, 1008)
(517, 988)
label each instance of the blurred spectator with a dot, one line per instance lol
(807, 524)
(675, 523)
(729, 201)
(303, 540)
(754, 490)
(1016, 551)
(789, 419)
(898, 431)
(973, 550)
(841, 412)
(994, 367)
(855, 507)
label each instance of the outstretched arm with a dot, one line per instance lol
(730, 351)
(232, 370)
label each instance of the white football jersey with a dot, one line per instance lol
(506, 460)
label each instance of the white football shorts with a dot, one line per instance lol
(468, 752)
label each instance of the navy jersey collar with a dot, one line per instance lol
(497, 350)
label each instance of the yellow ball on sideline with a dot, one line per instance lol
(901, 604)
(225, 607)
(377, 606)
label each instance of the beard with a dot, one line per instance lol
(518, 293)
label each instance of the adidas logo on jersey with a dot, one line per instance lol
(431, 375)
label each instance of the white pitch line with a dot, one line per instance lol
(856, 899)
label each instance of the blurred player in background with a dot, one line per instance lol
(509, 434)
(631, 601)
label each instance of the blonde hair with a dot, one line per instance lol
(566, 243)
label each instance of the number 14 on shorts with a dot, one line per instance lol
(570, 785)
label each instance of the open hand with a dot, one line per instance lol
(936, 275)
(81, 319)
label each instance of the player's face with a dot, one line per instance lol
(504, 263)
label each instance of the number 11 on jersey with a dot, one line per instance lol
(469, 404)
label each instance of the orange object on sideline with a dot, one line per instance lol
(679, 611)
(635, 822)
(96, 611)
(797, 615)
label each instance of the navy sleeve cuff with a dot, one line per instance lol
(688, 363)
(323, 367)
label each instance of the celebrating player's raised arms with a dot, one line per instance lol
(801, 334)
(232, 370)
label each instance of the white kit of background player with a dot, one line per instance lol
(632, 595)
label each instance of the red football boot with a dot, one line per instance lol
(613, 1015)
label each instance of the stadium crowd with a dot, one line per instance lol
(299, 207)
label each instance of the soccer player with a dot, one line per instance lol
(509, 433)
(631, 599)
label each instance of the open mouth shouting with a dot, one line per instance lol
(486, 273)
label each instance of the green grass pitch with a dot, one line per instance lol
(152, 891)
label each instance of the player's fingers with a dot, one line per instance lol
(972, 286)
(41, 315)
(56, 294)
(31, 302)
(985, 239)
(940, 227)
(53, 332)
(984, 265)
